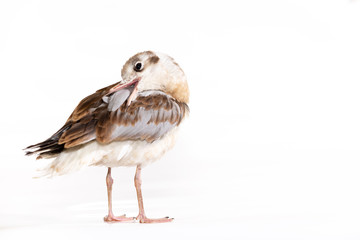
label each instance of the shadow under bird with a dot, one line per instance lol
(130, 123)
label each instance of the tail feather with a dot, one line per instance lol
(48, 148)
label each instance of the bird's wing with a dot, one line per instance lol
(149, 117)
(89, 103)
(108, 118)
(79, 127)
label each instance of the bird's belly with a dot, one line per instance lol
(120, 153)
(133, 153)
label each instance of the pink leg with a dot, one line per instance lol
(141, 217)
(110, 217)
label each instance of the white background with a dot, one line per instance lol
(271, 148)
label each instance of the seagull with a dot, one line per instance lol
(130, 123)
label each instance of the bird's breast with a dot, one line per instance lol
(133, 153)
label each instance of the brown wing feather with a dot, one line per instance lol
(147, 118)
(87, 104)
(72, 133)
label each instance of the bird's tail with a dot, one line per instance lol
(48, 148)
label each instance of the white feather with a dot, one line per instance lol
(117, 99)
(118, 153)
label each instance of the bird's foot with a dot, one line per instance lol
(111, 218)
(144, 219)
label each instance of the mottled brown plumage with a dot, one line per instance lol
(91, 120)
(88, 103)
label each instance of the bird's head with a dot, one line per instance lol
(154, 71)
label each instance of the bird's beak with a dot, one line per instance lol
(132, 85)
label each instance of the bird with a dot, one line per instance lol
(131, 123)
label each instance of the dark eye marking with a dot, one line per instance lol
(154, 59)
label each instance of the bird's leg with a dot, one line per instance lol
(141, 217)
(110, 217)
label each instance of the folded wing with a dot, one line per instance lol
(106, 118)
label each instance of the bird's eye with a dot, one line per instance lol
(138, 66)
